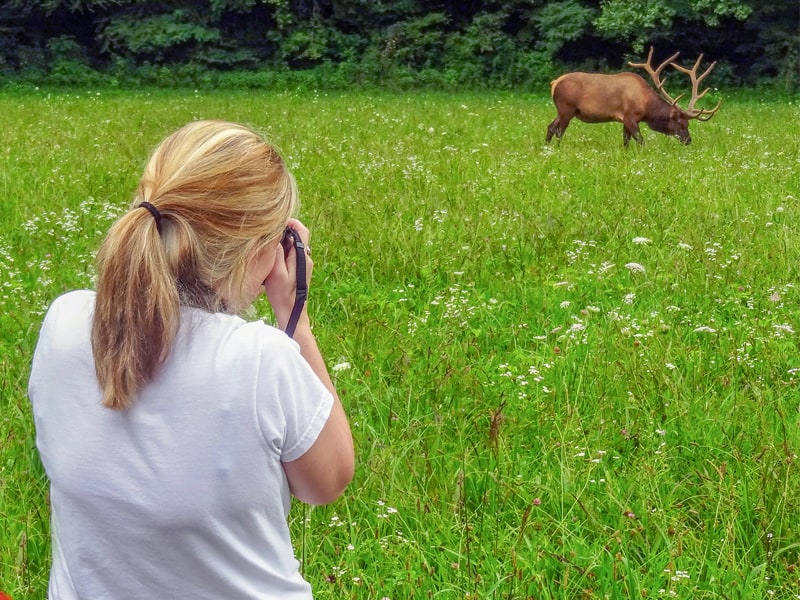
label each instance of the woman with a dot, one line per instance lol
(174, 432)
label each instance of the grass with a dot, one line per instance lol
(571, 369)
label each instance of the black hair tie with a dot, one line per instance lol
(153, 211)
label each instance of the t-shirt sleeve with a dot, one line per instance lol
(292, 404)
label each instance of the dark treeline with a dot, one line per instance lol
(396, 43)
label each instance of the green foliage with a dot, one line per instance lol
(713, 12)
(634, 20)
(282, 13)
(417, 43)
(220, 7)
(560, 22)
(315, 43)
(69, 66)
(158, 37)
(639, 21)
(51, 7)
(772, 37)
(481, 53)
(397, 43)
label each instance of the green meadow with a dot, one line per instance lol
(572, 370)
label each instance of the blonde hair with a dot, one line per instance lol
(222, 193)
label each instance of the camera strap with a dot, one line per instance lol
(301, 290)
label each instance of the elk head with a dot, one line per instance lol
(676, 122)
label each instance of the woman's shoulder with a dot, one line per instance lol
(71, 306)
(66, 325)
(75, 299)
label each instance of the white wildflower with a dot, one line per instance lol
(641, 240)
(635, 267)
(606, 266)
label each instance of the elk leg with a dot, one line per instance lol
(630, 129)
(557, 127)
(553, 129)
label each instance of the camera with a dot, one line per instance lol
(291, 238)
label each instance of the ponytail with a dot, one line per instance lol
(137, 308)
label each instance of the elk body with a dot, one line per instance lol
(628, 99)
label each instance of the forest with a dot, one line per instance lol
(403, 44)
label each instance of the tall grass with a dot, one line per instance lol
(571, 370)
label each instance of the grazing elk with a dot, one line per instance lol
(627, 98)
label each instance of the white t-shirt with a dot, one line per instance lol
(181, 496)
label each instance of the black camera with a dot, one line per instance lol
(291, 238)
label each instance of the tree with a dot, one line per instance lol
(642, 21)
(474, 42)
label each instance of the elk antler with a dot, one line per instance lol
(693, 112)
(655, 75)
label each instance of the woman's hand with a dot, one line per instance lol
(281, 282)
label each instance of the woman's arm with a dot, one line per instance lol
(323, 472)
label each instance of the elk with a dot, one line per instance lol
(627, 98)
